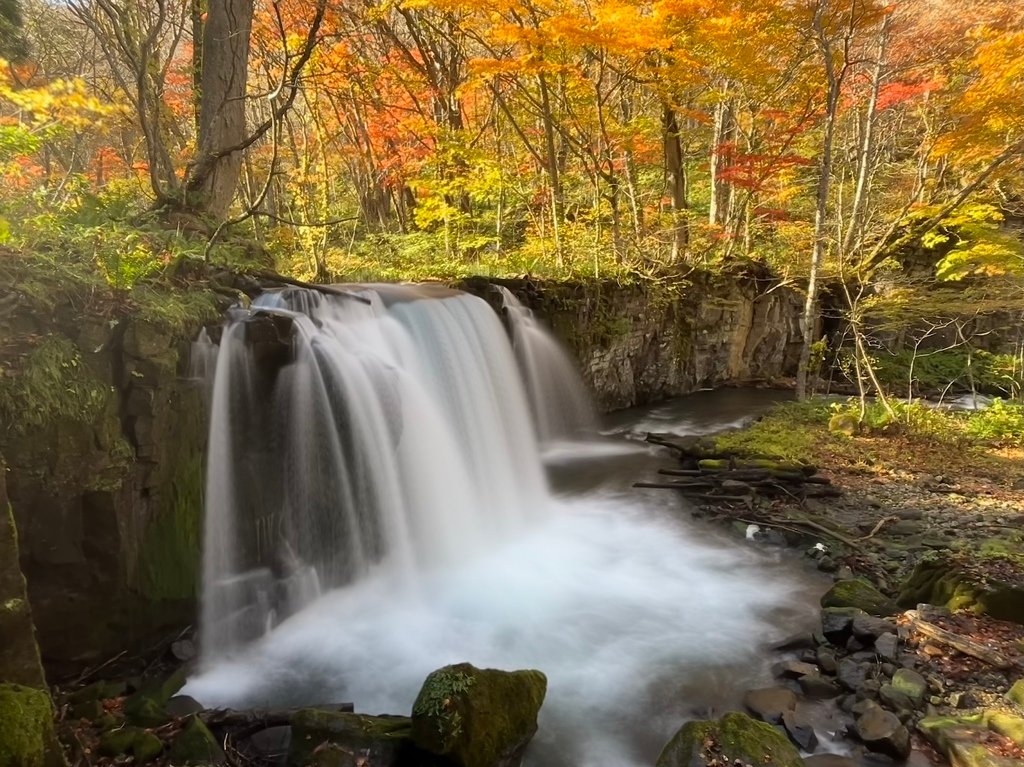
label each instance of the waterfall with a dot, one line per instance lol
(385, 430)
(560, 402)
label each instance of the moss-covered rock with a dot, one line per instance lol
(939, 581)
(859, 593)
(141, 744)
(338, 739)
(1016, 693)
(195, 745)
(735, 738)
(26, 728)
(962, 739)
(146, 705)
(478, 717)
(1008, 726)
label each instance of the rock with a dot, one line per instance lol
(1016, 693)
(131, 741)
(770, 703)
(852, 674)
(837, 625)
(181, 706)
(478, 717)
(800, 730)
(843, 423)
(858, 593)
(183, 650)
(826, 659)
(965, 699)
(734, 487)
(882, 732)
(868, 627)
(1008, 726)
(887, 646)
(195, 745)
(894, 700)
(827, 565)
(338, 739)
(910, 683)
(801, 641)
(818, 688)
(961, 740)
(26, 728)
(103, 690)
(793, 669)
(146, 705)
(735, 738)
(87, 709)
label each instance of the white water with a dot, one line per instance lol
(419, 532)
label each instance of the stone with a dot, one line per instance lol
(1016, 693)
(887, 646)
(961, 740)
(195, 744)
(826, 659)
(770, 703)
(859, 593)
(181, 706)
(818, 688)
(338, 739)
(87, 709)
(894, 700)
(26, 728)
(910, 683)
(733, 739)
(1008, 726)
(829, 760)
(478, 717)
(837, 625)
(882, 732)
(801, 641)
(183, 650)
(869, 628)
(146, 705)
(800, 730)
(843, 423)
(793, 669)
(852, 674)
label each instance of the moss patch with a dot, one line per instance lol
(735, 738)
(859, 593)
(26, 728)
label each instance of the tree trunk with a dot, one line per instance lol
(214, 175)
(675, 172)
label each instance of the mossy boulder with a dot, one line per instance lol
(962, 739)
(195, 745)
(146, 705)
(478, 717)
(939, 581)
(735, 738)
(859, 593)
(1016, 693)
(26, 728)
(339, 739)
(843, 423)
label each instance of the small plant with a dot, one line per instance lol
(437, 700)
(1001, 422)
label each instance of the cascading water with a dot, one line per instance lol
(376, 499)
(561, 404)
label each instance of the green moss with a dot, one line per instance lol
(50, 385)
(195, 745)
(788, 432)
(322, 738)
(859, 593)
(735, 738)
(26, 727)
(169, 558)
(477, 717)
(1016, 693)
(1008, 726)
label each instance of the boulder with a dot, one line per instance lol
(869, 628)
(800, 730)
(793, 669)
(735, 738)
(195, 744)
(837, 625)
(1016, 693)
(962, 740)
(852, 674)
(859, 593)
(910, 683)
(478, 717)
(335, 738)
(882, 732)
(136, 742)
(146, 706)
(26, 728)
(829, 760)
(818, 688)
(887, 646)
(939, 581)
(770, 703)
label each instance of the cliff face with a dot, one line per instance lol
(638, 344)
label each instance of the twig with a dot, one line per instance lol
(881, 523)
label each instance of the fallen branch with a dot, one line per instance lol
(956, 641)
(881, 523)
(229, 717)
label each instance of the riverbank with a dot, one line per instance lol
(928, 510)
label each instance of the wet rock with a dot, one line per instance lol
(894, 700)
(829, 760)
(478, 717)
(818, 688)
(183, 650)
(826, 659)
(861, 594)
(793, 669)
(887, 646)
(181, 706)
(882, 732)
(801, 641)
(837, 625)
(852, 674)
(735, 738)
(195, 745)
(910, 683)
(800, 730)
(770, 703)
(869, 627)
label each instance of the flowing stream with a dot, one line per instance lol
(379, 505)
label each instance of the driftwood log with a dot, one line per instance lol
(958, 642)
